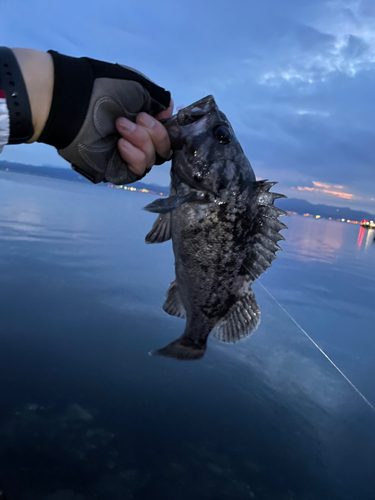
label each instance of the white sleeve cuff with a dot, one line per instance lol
(4, 121)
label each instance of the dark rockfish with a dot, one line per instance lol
(224, 230)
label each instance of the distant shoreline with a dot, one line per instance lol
(70, 175)
(296, 206)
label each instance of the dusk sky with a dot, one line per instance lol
(296, 78)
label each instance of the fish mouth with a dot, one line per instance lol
(187, 116)
(197, 110)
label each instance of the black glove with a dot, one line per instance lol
(88, 97)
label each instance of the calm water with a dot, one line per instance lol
(85, 413)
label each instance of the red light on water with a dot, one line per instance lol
(360, 236)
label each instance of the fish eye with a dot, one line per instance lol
(222, 134)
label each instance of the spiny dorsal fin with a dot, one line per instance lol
(241, 319)
(173, 304)
(266, 231)
(161, 229)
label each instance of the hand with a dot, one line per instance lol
(89, 96)
(141, 140)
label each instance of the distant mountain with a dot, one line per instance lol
(303, 206)
(290, 204)
(67, 174)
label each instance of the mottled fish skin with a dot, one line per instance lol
(213, 218)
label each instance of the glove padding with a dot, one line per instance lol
(88, 97)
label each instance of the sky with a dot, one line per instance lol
(296, 78)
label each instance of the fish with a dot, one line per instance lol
(224, 229)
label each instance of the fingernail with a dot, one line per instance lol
(127, 125)
(146, 120)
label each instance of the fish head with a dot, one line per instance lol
(207, 155)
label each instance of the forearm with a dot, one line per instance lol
(38, 74)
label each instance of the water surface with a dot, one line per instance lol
(87, 414)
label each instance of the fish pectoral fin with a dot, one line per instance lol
(182, 349)
(161, 229)
(266, 231)
(240, 321)
(165, 205)
(173, 304)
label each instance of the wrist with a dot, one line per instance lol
(38, 74)
(72, 89)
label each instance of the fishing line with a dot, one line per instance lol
(321, 350)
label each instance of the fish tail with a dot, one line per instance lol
(182, 349)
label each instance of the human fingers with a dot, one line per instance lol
(166, 113)
(134, 157)
(157, 140)
(157, 133)
(148, 135)
(135, 146)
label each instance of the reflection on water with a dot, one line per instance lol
(329, 242)
(87, 414)
(366, 238)
(318, 240)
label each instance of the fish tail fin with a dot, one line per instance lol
(182, 349)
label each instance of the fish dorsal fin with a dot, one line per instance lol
(173, 304)
(161, 229)
(241, 319)
(266, 231)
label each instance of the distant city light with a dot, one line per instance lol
(131, 188)
(289, 212)
(369, 224)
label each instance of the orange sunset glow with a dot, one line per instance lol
(332, 189)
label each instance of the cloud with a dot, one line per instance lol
(342, 41)
(312, 112)
(349, 55)
(321, 187)
(366, 8)
(323, 191)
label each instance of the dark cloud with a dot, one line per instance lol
(367, 8)
(310, 39)
(355, 48)
(323, 131)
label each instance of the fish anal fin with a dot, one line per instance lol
(173, 304)
(241, 319)
(161, 229)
